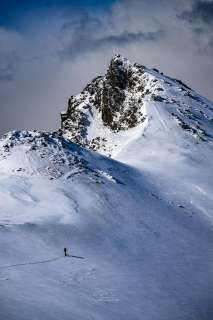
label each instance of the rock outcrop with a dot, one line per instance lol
(116, 99)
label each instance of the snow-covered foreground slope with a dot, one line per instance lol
(147, 252)
(140, 225)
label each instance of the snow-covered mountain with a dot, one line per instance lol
(138, 210)
(114, 109)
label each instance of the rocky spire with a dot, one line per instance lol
(115, 98)
(117, 73)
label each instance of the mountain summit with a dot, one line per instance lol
(106, 114)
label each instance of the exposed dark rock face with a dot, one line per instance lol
(113, 96)
(119, 79)
(117, 74)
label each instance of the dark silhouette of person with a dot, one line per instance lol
(65, 252)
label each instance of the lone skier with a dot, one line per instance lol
(65, 252)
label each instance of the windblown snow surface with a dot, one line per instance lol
(140, 224)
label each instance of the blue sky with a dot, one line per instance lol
(12, 11)
(50, 50)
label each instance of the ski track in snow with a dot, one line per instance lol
(29, 263)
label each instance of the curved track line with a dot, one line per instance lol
(30, 263)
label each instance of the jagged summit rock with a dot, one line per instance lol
(113, 100)
(117, 73)
(114, 107)
(119, 110)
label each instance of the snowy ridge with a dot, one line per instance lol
(32, 153)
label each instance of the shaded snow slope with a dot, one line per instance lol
(145, 252)
(142, 221)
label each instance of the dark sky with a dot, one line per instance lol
(15, 10)
(51, 49)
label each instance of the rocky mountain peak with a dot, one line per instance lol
(111, 98)
(127, 97)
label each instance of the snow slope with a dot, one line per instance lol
(142, 221)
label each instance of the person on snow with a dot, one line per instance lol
(65, 252)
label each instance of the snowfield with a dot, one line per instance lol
(139, 224)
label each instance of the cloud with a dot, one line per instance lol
(129, 22)
(7, 72)
(201, 12)
(88, 33)
(85, 39)
(126, 38)
(9, 56)
(200, 20)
